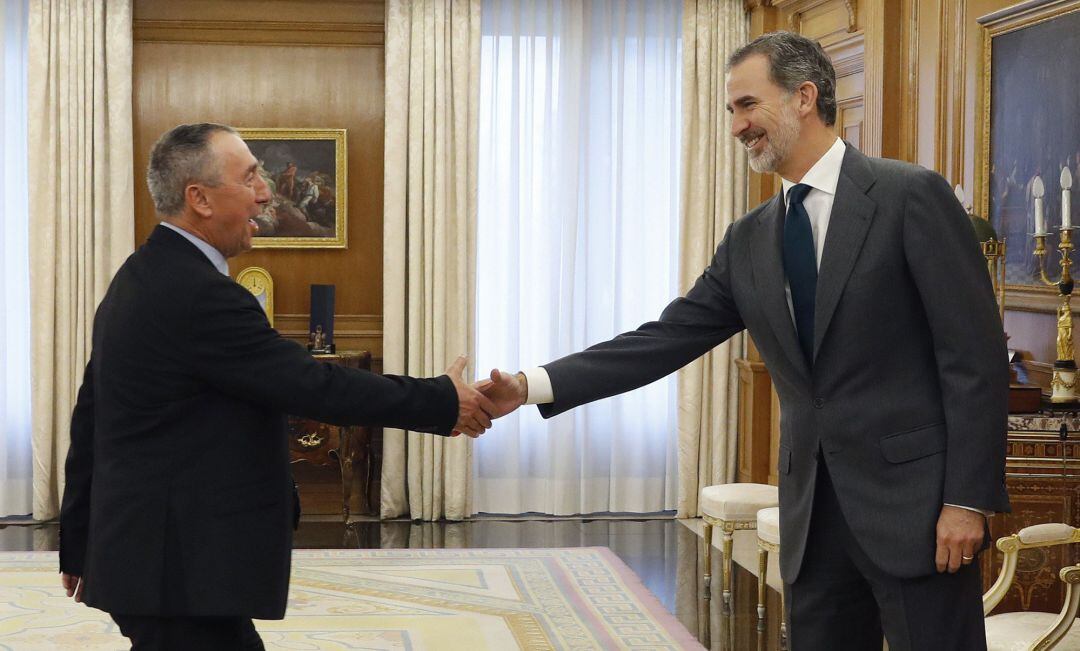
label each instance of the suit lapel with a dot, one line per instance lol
(852, 214)
(767, 262)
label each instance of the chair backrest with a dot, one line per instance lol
(1039, 535)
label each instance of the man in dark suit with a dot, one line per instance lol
(864, 290)
(178, 510)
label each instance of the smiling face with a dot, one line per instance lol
(766, 118)
(230, 206)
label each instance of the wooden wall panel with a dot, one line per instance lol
(255, 63)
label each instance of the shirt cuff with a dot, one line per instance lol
(539, 386)
(971, 508)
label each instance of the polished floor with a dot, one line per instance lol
(666, 554)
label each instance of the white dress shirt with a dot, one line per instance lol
(208, 249)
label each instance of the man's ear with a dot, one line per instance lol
(197, 199)
(808, 94)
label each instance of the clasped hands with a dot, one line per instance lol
(485, 400)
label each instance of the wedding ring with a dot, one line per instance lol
(967, 558)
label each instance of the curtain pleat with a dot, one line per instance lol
(713, 195)
(81, 206)
(432, 72)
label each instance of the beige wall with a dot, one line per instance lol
(281, 63)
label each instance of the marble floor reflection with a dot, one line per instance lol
(666, 554)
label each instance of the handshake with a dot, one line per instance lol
(483, 401)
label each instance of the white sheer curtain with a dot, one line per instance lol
(16, 470)
(577, 240)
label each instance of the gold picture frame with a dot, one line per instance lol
(1007, 158)
(306, 170)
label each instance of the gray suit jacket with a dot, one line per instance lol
(906, 397)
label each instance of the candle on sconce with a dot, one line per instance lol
(1066, 197)
(1037, 191)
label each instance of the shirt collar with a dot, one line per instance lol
(825, 173)
(208, 250)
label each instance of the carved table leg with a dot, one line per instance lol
(345, 459)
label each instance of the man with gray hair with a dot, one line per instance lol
(178, 510)
(867, 296)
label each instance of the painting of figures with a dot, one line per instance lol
(305, 169)
(1032, 95)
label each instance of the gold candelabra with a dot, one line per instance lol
(1063, 383)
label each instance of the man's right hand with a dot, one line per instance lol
(507, 392)
(474, 408)
(73, 585)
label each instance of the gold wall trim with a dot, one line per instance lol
(941, 106)
(798, 8)
(959, 88)
(259, 33)
(909, 91)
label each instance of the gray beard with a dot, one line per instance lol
(780, 143)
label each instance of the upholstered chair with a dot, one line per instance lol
(731, 508)
(1031, 631)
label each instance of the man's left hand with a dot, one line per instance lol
(73, 585)
(959, 536)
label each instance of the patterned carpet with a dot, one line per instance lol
(467, 599)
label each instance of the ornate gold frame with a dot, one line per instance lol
(1039, 298)
(258, 281)
(341, 235)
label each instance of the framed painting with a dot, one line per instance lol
(1031, 90)
(306, 172)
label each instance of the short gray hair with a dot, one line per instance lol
(793, 60)
(179, 157)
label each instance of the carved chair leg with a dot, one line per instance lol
(763, 568)
(727, 546)
(708, 560)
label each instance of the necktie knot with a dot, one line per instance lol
(797, 193)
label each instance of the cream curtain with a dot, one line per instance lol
(714, 189)
(432, 94)
(81, 205)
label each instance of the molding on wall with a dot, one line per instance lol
(959, 92)
(909, 91)
(351, 331)
(941, 108)
(1034, 299)
(797, 9)
(874, 82)
(261, 33)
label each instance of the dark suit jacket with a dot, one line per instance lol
(906, 397)
(179, 495)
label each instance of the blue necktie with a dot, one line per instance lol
(800, 266)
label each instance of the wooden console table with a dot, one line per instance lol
(348, 448)
(1042, 473)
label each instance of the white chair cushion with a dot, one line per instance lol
(1016, 631)
(768, 525)
(737, 501)
(1043, 533)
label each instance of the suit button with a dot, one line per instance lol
(819, 403)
